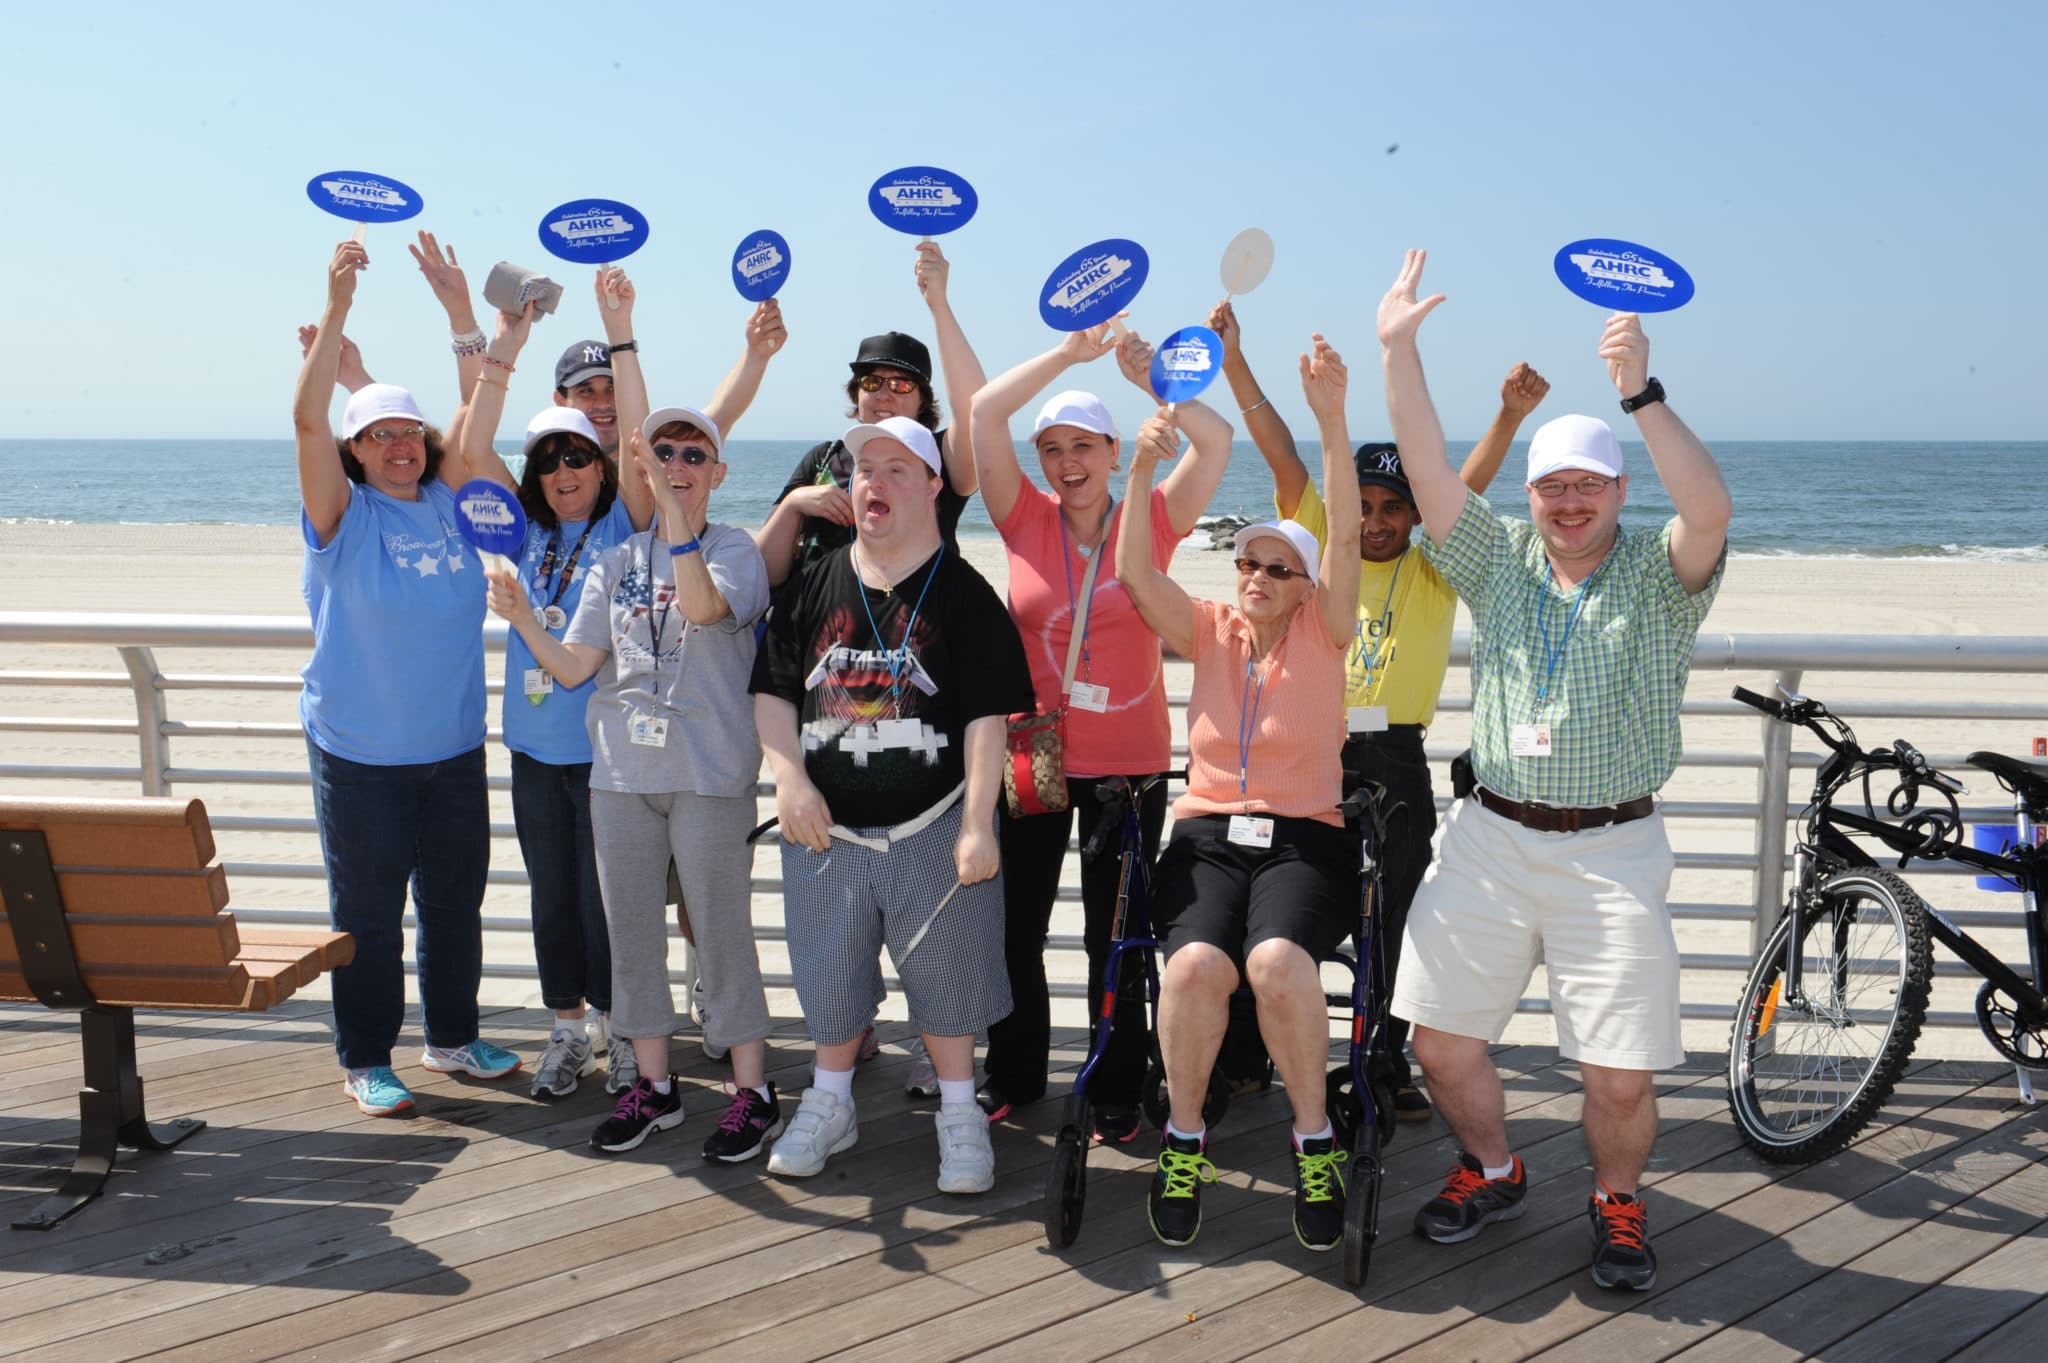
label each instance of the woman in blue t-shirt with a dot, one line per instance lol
(393, 709)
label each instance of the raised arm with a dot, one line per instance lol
(1164, 607)
(995, 456)
(703, 603)
(1324, 381)
(474, 455)
(629, 388)
(765, 336)
(1268, 432)
(1193, 481)
(451, 290)
(1691, 478)
(1438, 493)
(351, 374)
(323, 486)
(958, 363)
(568, 664)
(1520, 393)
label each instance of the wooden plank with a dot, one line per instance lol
(330, 949)
(145, 832)
(225, 986)
(187, 894)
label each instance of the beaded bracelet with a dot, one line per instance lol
(494, 360)
(469, 342)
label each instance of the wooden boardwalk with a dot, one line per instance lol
(483, 1228)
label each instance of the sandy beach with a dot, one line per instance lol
(254, 571)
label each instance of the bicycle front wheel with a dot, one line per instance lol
(1807, 1071)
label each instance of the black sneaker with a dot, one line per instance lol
(1470, 1199)
(746, 1128)
(998, 1102)
(1319, 1193)
(1175, 1204)
(1621, 1243)
(640, 1112)
(1116, 1125)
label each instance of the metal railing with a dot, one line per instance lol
(1763, 659)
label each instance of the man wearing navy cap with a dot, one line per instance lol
(1395, 668)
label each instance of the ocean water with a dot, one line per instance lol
(1890, 499)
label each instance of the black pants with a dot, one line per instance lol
(1394, 758)
(1033, 850)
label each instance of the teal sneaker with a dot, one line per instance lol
(479, 1059)
(377, 1091)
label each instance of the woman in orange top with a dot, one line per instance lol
(1260, 879)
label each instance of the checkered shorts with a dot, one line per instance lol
(842, 906)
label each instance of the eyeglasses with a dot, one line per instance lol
(1279, 572)
(872, 383)
(384, 435)
(693, 455)
(547, 461)
(1550, 489)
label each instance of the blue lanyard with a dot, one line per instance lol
(1554, 653)
(898, 658)
(1248, 716)
(1381, 627)
(1067, 563)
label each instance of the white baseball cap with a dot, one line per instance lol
(558, 420)
(689, 416)
(1573, 442)
(900, 429)
(375, 402)
(1293, 533)
(1076, 408)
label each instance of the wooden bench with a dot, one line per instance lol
(113, 905)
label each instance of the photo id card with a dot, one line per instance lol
(1365, 719)
(649, 731)
(1531, 740)
(538, 683)
(1088, 696)
(899, 733)
(1249, 830)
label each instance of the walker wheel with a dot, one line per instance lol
(1066, 1187)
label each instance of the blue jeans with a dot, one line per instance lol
(380, 828)
(571, 945)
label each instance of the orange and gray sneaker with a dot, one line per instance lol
(1470, 1199)
(1621, 1242)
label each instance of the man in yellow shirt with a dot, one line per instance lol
(1395, 667)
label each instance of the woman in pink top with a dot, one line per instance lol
(1260, 880)
(1116, 721)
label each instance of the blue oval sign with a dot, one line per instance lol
(1094, 284)
(490, 517)
(922, 200)
(362, 197)
(593, 231)
(760, 266)
(1186, 363)
(1623, 276)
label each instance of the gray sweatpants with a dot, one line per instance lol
(635, 836)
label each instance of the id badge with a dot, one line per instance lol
(1365, 719)
(538, 685)
(899, 733)
(648, 731)
(1090, 697)
(1249, 830)
(1531, 740)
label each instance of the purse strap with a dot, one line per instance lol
(1081, 611)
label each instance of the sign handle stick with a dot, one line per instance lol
(497, 563)
(362, 230)
(1116, 325)
(611, 297)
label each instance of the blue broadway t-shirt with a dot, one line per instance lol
(397, 599)
(553, 730)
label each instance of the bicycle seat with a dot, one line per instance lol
(2030, 778)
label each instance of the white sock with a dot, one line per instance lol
(1201, 1136)
(838, 1083)
(766, 1096)
(663, 1085)
(953, 1092)
(1328, 1133)
(1501, 1172)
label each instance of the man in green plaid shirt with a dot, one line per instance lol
(1581, 644)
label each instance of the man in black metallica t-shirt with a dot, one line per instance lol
(881, 693)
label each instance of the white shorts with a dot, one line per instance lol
(1590, 906)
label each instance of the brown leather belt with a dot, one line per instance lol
(1565, 818)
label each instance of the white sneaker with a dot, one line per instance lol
(598, 1028)
(924, 1079)
(967, 1162)
(823, 1125)
(622, 1067)
(566, 1059)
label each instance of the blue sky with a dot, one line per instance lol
(1859, 190)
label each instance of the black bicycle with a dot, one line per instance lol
(1835, 1001)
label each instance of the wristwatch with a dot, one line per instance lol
(1653, 393)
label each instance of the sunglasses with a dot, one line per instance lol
(872, 383)
(384, 435)
(1278, 572)
(693, 455)
(1550, 489)
(547, 461)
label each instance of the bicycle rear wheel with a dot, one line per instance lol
(1805, 1075)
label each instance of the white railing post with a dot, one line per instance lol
(1773, 793)
(143, 676)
